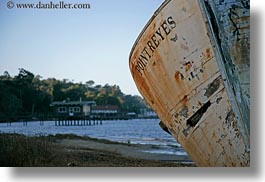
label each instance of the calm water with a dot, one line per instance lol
(133, 131)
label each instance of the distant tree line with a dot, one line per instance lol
(26, 94)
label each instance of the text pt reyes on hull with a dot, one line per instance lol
(153, 43)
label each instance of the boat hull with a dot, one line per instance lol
(174, 64)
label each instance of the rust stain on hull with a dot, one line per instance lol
(174, 64)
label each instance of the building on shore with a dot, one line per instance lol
(105, 110)
(147, 113)
(72, 108)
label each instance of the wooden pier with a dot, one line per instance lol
(64, 122)
(84, 122)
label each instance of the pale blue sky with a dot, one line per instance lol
(78, 45)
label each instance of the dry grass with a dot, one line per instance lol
(19, 150)
(22, 151)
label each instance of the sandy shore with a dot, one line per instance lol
(131, 151)
(76, 151)
(121, 152)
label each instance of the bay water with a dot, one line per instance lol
(136, 131)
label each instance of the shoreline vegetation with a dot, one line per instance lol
(27, 96)
(70, 150)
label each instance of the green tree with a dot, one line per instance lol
(20, 94)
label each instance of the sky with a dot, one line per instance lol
(75, 44)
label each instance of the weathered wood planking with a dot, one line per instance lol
(176, 65)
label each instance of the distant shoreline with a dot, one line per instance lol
(76, 151)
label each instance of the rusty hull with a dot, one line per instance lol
(175, 65)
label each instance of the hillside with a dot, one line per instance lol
(28, 94)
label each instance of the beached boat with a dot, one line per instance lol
(191, 64)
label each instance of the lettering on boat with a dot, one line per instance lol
(154, 42)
